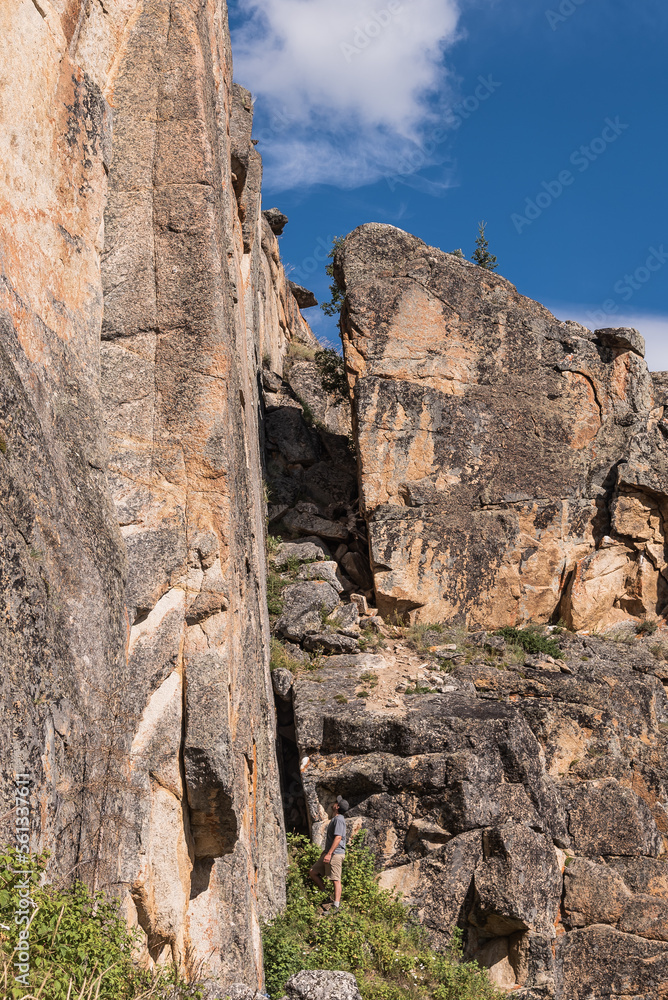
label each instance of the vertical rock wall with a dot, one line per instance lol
(512, 467)
(132, 572)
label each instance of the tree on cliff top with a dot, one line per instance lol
(481, 255)
(333, 307)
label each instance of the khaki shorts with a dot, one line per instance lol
(332, 869)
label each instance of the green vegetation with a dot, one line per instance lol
(370, 640)
(481, 255)
(300, 352)
(3, 445)
(458, 253)
(333, 307)
(372, 936)
(80, 947)
(332, 373)
(646, 627)
(531, 640)
(276, 584)
(418, 635)
(419, 689)
(279, 657)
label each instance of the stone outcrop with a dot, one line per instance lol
(520, 797)
(141, 291)
(512, 467)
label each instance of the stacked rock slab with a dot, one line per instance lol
(512, 467)
(135, 682)
(526, 802)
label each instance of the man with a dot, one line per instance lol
(330, 862)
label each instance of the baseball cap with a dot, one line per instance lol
(343, 805)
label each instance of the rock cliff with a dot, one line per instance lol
(512, 467)
(160, 401)
(134, 631)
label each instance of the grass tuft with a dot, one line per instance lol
(531, 641)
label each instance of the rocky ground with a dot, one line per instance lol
(519, 795)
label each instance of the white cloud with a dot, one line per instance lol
(653, 327)
(344, 86)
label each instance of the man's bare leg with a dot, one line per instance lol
(337, 892)
(319, 882)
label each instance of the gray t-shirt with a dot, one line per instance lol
(336, 828)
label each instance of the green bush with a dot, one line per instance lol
(531, 641)
(372, 936)
(80, 946)
(332, 373)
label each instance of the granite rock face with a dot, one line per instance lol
(141, 291)
(523, 802)
(512, 467)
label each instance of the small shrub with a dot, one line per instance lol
(418, 689)
(307, 412)
(531, 641)
(363, 694)
(3, 445)
(333, 307)
(80, 946)
(279, 657)
(276, 584)
(371, 936)
(659, 651)
(370, 640)
(300, 352)
(332, 373)
(646, 627)
(272, 545)
(341, 699)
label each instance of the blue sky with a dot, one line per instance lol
(547, 120)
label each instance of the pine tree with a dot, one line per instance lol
(458, 253)
(333, 307)
(481, 256)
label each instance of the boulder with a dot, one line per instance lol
(346, 616)
(305, 551)
(318, 985)
(305, 523)
(305, 299)
(623, 339)
(606, 818)
(303, 605)
(328, 571)
(599, 963)
(593, 894)
(282, 680)
(276, 219)
(330, 642)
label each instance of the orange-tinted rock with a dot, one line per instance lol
(136, 659)
(511, 466)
